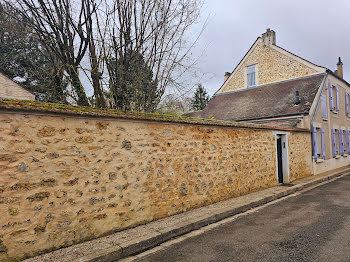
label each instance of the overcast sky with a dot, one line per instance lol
(317, 30)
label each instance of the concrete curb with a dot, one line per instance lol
(134, 241)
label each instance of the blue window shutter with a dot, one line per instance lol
(346, 103)
(314, 139)
(341, 144)
(333, 143)
(337, 97)
(345, 145)
(347, 141)
(331, 106)
(323, 146)
(324, 107)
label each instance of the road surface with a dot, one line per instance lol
(312, 226)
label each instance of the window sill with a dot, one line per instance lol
(319, 160)
(345, 155)
(335, 114)
(337, 157)
(326, 119)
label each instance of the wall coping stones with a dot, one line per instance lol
(14, 105)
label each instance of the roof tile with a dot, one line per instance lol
(275, 99)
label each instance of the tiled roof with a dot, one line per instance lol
(267, 101)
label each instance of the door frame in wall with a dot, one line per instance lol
(285, 155)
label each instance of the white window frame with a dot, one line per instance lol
(255, 75)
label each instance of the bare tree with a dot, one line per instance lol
(62, 29)
(22, 56)
(154, 32)
(174, 105)
(142, 45)
(96, 44)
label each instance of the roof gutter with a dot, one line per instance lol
(315, 112)
(269, 84)
(336, 76)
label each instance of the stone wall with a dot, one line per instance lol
(271, 66)
(300, 152)
(65, 179)
(10, 89)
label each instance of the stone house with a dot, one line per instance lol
(11, 90)
(273, 86)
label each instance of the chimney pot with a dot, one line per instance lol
(269, 37)
(340, 68)
(339, 60)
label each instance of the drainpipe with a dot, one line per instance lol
(313, 118)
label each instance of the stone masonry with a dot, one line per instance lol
(66, 179)
(272, 66)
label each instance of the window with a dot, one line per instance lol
(251, 76)
(341, 142)
(346, 104)
(319, 147)
(331, 104)
(347, 141)
(333, 98)
(324, 107)
(335, 142)
(323, 144)
(337, 97)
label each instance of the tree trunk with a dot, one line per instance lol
(96, 75)
(57, 88)
(77, 86)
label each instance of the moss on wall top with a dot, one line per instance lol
(61, 109)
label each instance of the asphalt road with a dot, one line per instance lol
(313, 226)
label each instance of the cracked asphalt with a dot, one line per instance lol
(311, 226)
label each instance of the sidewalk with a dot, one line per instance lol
(141, 238)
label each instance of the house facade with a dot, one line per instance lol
(273, 86)
(11, 90)
(330, 125)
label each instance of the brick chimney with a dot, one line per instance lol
(340, 68)
(269, 37)
(226, 76)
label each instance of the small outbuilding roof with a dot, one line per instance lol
(265, 101)
(12, 90)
